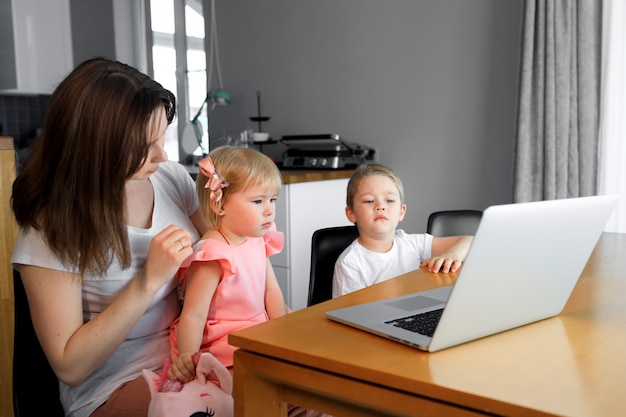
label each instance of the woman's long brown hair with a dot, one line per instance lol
(94, 138)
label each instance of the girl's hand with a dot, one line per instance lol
(168, 250)
(183, 368)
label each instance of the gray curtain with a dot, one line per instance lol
(558, 117)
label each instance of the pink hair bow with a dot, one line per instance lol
(215, 181)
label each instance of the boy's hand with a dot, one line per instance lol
(450, 253)
(441, 264)
(183, 368)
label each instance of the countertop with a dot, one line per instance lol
(6, 142)
(293, 176)
(305, 175)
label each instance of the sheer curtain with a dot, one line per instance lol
(558, 116)
(612, 137)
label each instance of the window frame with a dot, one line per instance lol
(183, 43)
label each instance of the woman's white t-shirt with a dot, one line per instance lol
(147, 344)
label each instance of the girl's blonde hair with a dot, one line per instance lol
(242, 168)
(368, 170)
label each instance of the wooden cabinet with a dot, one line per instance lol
(302, 208)
(7, 241)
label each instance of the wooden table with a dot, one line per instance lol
(570, 365)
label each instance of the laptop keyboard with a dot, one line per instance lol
(422, 323)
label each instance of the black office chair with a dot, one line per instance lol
(35, 386)
(326, 246)
(453, 222)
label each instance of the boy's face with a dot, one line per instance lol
(377, 208)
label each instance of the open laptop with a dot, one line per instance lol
(522, 267)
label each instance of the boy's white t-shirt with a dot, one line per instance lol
(358, 267)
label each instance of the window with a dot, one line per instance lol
(179, 63)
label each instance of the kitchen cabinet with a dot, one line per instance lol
(42, 45)
(308, 201)
(8, 74)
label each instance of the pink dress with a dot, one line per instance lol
(239, 299)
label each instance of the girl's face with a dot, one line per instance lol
(249, 212)
(377, 208)
(156, 154)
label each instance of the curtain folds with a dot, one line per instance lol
(612, 147)
(557, 127)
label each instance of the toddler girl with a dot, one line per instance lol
(228, 282)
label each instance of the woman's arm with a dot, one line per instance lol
(274, 300)
(201, 282)
(448, 253)
(75, 349)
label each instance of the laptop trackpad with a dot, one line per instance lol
(414, 303)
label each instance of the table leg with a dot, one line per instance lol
(254, 396)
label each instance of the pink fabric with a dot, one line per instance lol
(239, 300)
(215, 181)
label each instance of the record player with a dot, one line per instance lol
(324, 151)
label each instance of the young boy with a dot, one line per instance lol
(375, 203)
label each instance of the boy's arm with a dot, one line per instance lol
(448, 253)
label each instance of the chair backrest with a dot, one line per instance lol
(32, 374)
(28, 386)
(326, 246)
(453, 222)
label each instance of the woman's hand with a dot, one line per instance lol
(168, 250)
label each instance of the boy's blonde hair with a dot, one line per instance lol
(368, 170)
(242, 168)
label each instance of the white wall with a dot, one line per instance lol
(430, 84)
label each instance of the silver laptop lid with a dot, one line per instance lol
(522, 266)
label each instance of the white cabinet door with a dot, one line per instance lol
(43, 44)
(282, 275)
(303, 208)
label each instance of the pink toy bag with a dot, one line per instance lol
(208, 395)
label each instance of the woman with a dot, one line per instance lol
(105, 222)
